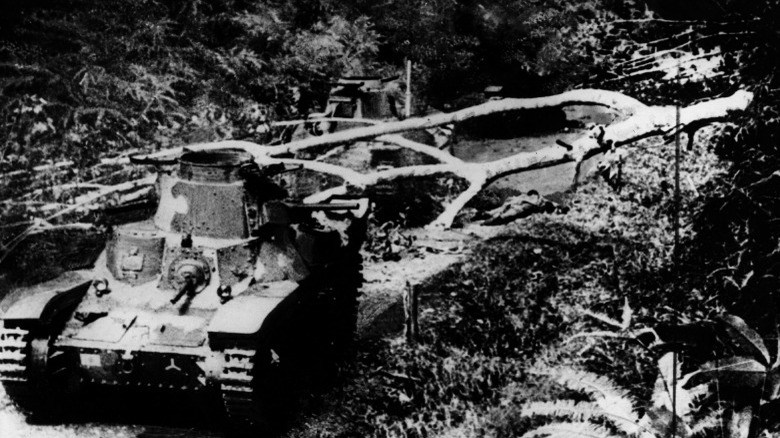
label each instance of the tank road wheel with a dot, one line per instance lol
(248, 404)
(35, 376)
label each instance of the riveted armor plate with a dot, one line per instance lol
(135, 253)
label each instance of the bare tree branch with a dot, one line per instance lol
(610, 99)
(642, 121)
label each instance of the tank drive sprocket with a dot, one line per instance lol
(34, 375)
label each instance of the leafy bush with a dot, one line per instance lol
(738, 227)
(89, 78)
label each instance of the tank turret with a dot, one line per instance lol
(229, 289)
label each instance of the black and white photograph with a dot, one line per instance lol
(389, 218)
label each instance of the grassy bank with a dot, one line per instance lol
(516, 302)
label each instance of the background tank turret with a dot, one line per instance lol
(232, 289)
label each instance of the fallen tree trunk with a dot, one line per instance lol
(610, 99)
(641, 121)
(644, 122)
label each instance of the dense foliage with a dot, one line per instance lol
(82, 79)
(739, 229)
(514, 305)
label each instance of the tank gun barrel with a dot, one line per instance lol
(146, 160)
(187, 288)
(326, 206)
(277, 212)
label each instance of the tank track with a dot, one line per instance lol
(15, 349)
(35, 391)
(237, 389)
(349, 292)
(238, 385)
(13, 355)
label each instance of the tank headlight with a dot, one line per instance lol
(101, 287)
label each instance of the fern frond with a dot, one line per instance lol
(612, 399)
(587, 382)
(584, 411)
(568, 409)
(569, 430)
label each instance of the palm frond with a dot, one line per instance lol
(611, 398)
(569, 430)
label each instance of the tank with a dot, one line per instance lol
(358, 97)
(366, 97)
(229, 291)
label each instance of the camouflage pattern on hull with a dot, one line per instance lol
(231, 287)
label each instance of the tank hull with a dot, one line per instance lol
(229, 291)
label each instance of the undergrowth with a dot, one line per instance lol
(517, 300)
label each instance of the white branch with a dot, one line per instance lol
(642, 121)
(645, 122)
(527, 161)
(101, 194)
(446, 217)
(595, 97)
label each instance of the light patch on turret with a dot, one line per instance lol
(169, 204)
(282, 261)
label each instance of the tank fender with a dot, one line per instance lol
(44, 304)
(245, 314)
